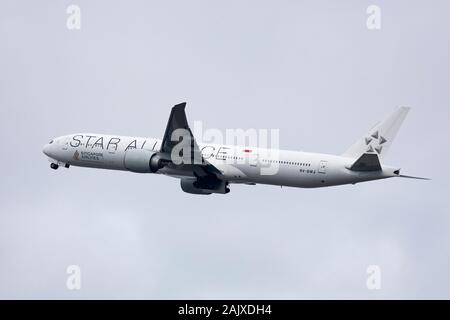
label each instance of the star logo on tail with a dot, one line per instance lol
(375, 142)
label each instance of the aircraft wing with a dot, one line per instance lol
(177, 121)
(178, 131)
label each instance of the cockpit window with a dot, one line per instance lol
(51, 141)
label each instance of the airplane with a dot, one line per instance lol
(212, 168)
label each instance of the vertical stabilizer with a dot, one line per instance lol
(379, 138)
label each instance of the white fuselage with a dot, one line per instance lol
(237, 164)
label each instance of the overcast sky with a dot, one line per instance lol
(309, 68)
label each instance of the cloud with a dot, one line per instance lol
(316, 73)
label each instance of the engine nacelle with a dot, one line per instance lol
(187, 185)
(138, 160)
(193, 186)
(145, 161)
(159, 161)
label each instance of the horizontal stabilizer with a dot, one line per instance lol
(367, 162)
(412, 177)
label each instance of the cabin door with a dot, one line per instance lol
(323, 166)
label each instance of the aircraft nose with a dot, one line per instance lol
(46, 150)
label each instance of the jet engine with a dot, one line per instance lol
(198, 187)
(144, 161)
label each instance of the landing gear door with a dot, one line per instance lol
(322, 166)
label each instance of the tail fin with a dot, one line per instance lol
(379, 138)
